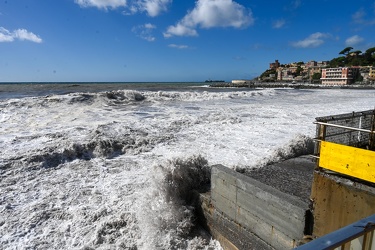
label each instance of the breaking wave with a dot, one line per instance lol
(106, 141)
(122, 97)
(298, 146)
(167, 213)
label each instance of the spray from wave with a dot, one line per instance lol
(298, 146)
(166, 214)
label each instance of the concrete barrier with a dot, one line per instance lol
(252, 215)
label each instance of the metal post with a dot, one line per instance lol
(321, 137)
(372, 134)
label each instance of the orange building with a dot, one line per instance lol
(275, 65)
(339, 76)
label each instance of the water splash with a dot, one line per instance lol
(298, 146)
(166, 216)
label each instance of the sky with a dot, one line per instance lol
(173, 40)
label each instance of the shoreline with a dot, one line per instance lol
(290, 85)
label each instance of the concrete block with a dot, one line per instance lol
(224, 187)
(290, 221)
(276, 217)
(221, 172)
(224, 205)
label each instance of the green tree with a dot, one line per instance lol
(355, 62)
(298, 71)
(316, 76)
(357, 52)
(338, 62)
(370, 51)
(370, 56)
(345, 51)
(266, 74)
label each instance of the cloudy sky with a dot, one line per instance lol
(173, 40)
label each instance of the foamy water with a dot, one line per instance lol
(113, 170)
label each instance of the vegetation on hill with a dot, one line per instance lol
(267, 73)
(354, 58)
(349, 57)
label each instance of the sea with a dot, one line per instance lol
(113, 165)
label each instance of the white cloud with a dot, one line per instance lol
(154, 7)
(354, 40)
(20, 34)
(149, 26)
(101, 4)
(23, 34)
(359, 17)
(180, 30)
(312, 41)
(5, 35)
(209, 14)
(278, 24)
(145, 31)
(178, 46)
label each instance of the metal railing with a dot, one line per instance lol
(355, 129)
(345, 145)
(357, 236)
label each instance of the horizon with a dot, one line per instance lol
(109, 41)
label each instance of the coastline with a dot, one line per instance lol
(290, 85)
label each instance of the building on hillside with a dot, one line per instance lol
(275, 65)
(284, 74)
(371, 75)
(313, 70)
(339, 76)
(322, 64)
(311, 64)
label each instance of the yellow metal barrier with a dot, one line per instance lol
(351, 161)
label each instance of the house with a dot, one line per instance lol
(371, 76)
(339, 76)
(275, 65)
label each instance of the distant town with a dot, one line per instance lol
(352, 67)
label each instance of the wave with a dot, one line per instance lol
(105, 141)
(206, 95)
(166, 213)
(298, 146)
(129, 97)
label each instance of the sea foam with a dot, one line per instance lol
(115, 169)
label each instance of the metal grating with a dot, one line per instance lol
(357, 120)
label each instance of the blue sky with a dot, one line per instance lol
(170, 40)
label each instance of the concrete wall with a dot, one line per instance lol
(241, 205)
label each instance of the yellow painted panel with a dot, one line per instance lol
(356, 162)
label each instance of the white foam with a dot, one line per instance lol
(76, 169)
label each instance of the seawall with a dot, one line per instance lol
(245, 213)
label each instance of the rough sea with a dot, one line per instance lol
(111, 165)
